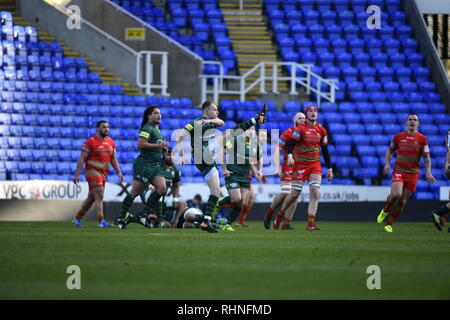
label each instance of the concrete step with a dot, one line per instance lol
(254, 50)
(247, 37)
(72, 54)
(259, 33)
(253, 57)
(246, 23)
(47, 38)
(96, 68)
(106, 73)
(110, 78)
(245, 12)
(242, 19)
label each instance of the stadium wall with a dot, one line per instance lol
(427, 49)
(86, 40)
(184, 67)
(65, 210)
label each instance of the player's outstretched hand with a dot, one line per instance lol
(120, 177)
(386, 170)
(76, 179)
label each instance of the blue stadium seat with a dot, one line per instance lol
(391, 128)
(365, 150)
(356, 128)
(341, 139)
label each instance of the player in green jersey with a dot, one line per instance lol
(172, 206)
(147, 167)
(203, 143)
(244, 156)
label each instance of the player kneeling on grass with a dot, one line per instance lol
(410, 146)
(97, 153)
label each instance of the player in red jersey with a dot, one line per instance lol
(286, 179)
(97, 153)
(410, 145)
(304, 153)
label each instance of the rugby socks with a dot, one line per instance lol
(226, 203)
(212, 201)
(311, 219)
(80, 214)
(388, 205)
(393, 216)
(444, 210)
(234, 213)
(269, 212)
(278, 218)
(126, 204)
(287, 221)
(152, 203)
(244, 214)
(100, 218)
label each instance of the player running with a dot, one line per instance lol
(286, 179)
(410, 146)
(203, 143)
(304, 154)
(147, 168)
(96, 153)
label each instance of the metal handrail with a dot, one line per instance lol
(293, 79)
(148, 85)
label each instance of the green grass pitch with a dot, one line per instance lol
(250, 263)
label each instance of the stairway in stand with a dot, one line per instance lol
(251, 41)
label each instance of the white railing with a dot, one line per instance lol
(144, 72)
(245, 84)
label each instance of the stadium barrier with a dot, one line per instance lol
(23, 201)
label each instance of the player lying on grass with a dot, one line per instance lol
(193, 217)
